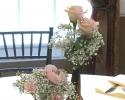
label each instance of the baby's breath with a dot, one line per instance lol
(77, 48)
(45, 88)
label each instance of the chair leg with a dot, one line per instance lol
(0, 74)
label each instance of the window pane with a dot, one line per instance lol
(31, 15)
(61, 5)
(8, 15)
(36, 14)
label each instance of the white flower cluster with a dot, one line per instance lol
(77, 48)
(41, 84)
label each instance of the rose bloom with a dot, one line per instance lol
(30, 86)
(56, 97)
(74, 13)
(88, 26)
(54, 75)
(50, 67)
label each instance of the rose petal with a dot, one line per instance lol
(74, 13)
(88, 26)
(54, 75)
(29, 86)
(50, 67)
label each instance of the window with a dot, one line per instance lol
(31, 15)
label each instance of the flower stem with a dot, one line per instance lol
(74, 28)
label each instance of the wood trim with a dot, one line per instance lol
(112, 59)
(112, 10)
(117, 35)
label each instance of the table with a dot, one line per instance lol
(88, 85)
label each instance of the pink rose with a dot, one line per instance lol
(88, 26)
(62, 77)
(50, 67)
(56, 97)
(74, 13)
(30, 86)
(54, 75)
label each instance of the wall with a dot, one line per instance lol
(60, 63)
(122, 7)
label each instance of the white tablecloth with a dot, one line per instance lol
(88, 85)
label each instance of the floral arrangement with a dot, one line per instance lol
(80, 39)
(49, 83)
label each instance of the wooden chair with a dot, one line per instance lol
(39, 50)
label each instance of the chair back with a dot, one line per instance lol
(25, 45)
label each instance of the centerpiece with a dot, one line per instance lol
(79, 40)
(49, 83)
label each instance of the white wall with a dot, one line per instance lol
(122, 7)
